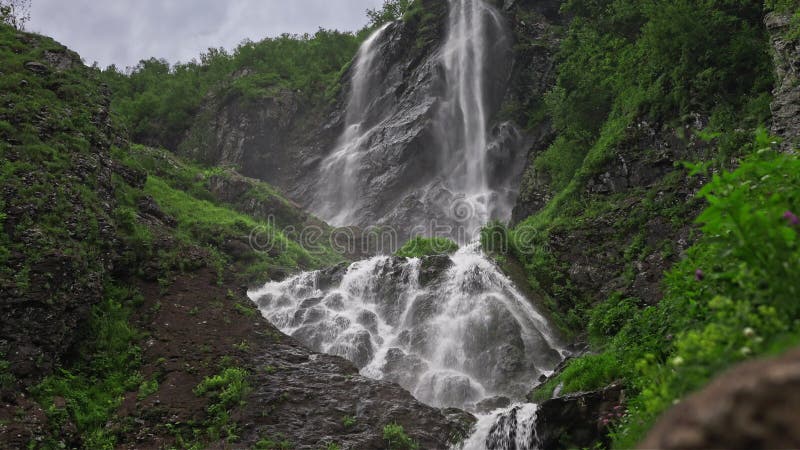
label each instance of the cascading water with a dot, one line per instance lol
(454, 330)
(446, 128)
(339, 199)
(462, 119)
(465, 336)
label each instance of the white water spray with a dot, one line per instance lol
(339, 201)
(465, 336)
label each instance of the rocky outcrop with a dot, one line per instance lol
(579, 420)
(628, 246)
(276, 139)
(297, 397)
(753, 406)
(280, 139)
(54, 271)
(786, 100)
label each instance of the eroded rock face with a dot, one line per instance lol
(280, 139)
(577, 420)
(786, 101)
(753, 406)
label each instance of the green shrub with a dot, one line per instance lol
(607, 318)
(421, 246)
(227, 391)
(396, 438)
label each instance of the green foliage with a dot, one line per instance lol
(607, 318)
(422, 246)
(227, 391)
(397, 439)
(15, 13)
(495, 239)
(732, 298)
(348, 421)
(390, 10)
(108, 367)
(270, 444)
(158, 101)
(148, 388)
(661, 59)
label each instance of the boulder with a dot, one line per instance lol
(578, 420)
(756, 405)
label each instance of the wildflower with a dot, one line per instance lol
(699, 275)
(677, 361)
(749, 332)
(791, 218)
(745, 351)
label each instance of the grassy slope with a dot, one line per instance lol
(50, 121)
(727, 299)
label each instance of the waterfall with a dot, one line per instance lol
(453, 331)
(462, 120)
(339, 200)
(447, 127)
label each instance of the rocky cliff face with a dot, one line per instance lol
(786, 102)
(280, 139)
(56, 261)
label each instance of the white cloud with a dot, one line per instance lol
(123, 32)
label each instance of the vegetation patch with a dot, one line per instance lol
(422, 246)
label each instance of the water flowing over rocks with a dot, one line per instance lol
(454, 334)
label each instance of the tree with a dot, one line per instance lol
(15, 12)
(391, 10)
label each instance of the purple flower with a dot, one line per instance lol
(699, 275)
(791, 218)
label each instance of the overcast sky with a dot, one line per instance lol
(124, 31)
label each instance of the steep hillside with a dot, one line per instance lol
(124, 270)
(645, 140)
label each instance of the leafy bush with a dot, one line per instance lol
(421, 246)
(108, 367)
(227, 390)
(732, 298)
(158, 101)
(397, 439)
(607, 318)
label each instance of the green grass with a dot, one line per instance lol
(396, 438)
(421, 246)
(227, 391)
(108, 367)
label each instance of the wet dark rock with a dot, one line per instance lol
(433, 268)
(331, 276)
(786, 95)
(577, 420)
(412, 367)
(37, 67)
(311, 394)
(755, 405)
(490, 404)
(147, 205)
